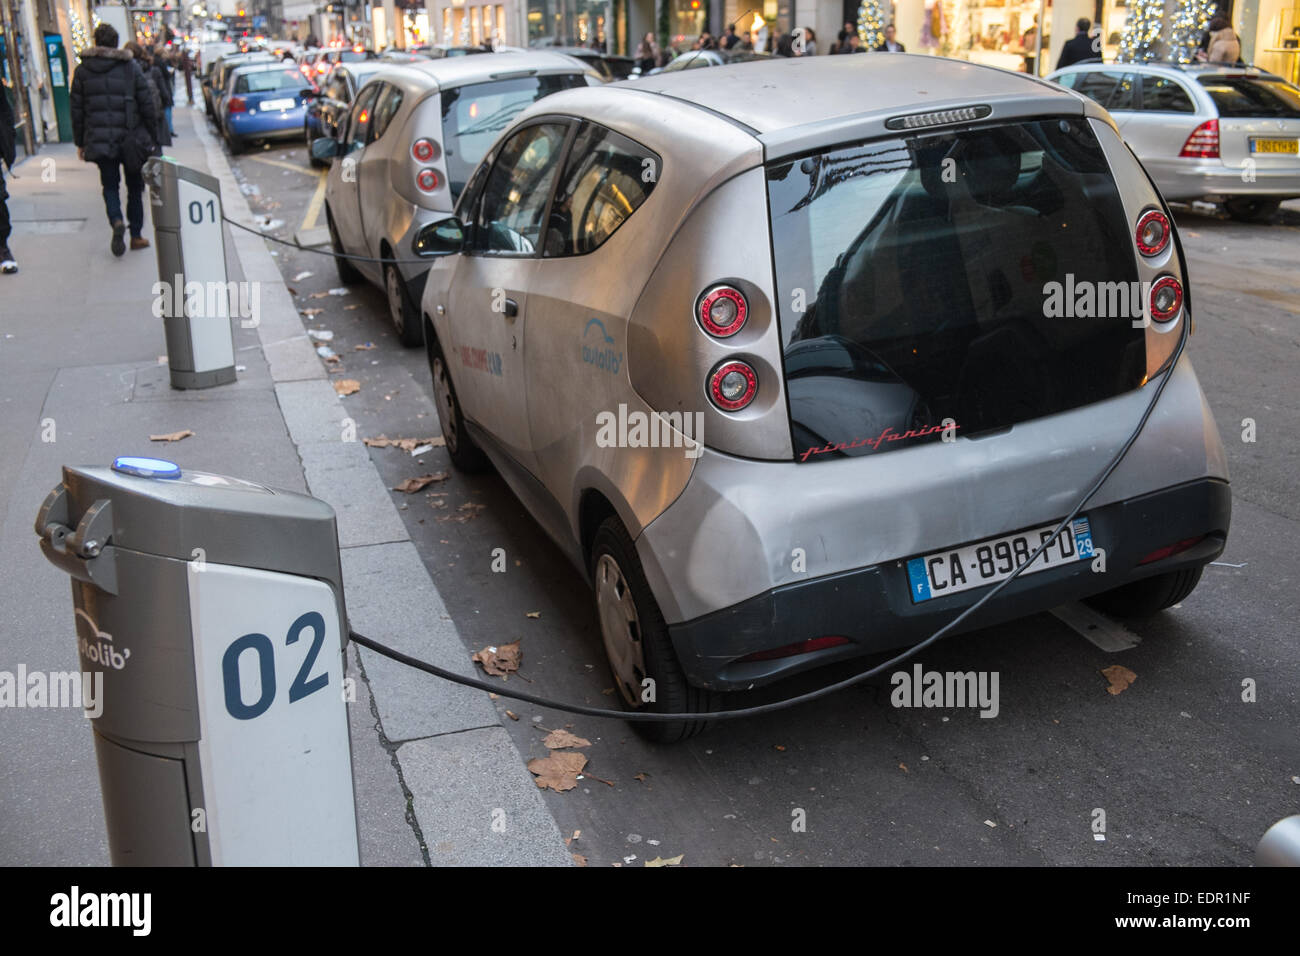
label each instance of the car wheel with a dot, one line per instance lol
(403, 314)
(1148, 596)
(348, 273)
(465, 455)
(1251, 210)
(637, 643)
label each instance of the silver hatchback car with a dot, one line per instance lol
(413, 135)
(1218, 133)
(794, 374)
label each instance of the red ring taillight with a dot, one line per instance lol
(1169, 291)
(427, 180)
(722, 311)
(733, 385)
(1152, 233)
(424, 150)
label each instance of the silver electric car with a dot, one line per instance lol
(1214, 132)
(794, 373)
(413, 135)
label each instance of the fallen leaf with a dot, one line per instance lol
(310, 312)
(172, 436)
(1119, 676)
(511, 714)
(499, 661)
(319, 295)
(533, 614)
(559, 771)
(579, 859)
(779, 746)
(671, 861)
(412, 485)
(347, 386)
(903, 767)
(349, 308)
(641, 776)
(333, 359)
(558, 739)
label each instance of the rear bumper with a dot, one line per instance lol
(1214, 180)
(872, 607)
(287, 125)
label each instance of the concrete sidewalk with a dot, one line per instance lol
(82, 380)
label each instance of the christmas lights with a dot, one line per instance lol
(1141, 40)
(1189, 22)
(871, 24)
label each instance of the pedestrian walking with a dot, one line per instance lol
(647, 54)
(1079, 49)
(187, 65)
(112, 115)
(8, 152)
(1224, 47)
(159, 131)
(166, 86)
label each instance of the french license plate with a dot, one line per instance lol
(988, 562)
(278, 104)
(1258, 145)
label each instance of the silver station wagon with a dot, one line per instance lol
(413, 135)
(794, 360)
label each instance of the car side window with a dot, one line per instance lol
(1163, 95)
(362, 116)
(518, 190)
(605, 180)
(1124, 96)
(1111, 89)
(385, 109)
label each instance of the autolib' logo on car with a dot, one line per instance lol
(605, 359)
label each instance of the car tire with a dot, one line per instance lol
(401, 311)
(1148, 596)
(235, 144)
(1248, 209)
(637, 643)
(464, 454)
(348, 273)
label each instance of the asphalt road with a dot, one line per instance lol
(1185, 771)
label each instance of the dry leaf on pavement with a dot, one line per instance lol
(579, 859)
(671, 861)
(499, 661)
(559, 771)
(557, 739)
(172, 436)
(1119, 676)
(412, 485)
(347, 386)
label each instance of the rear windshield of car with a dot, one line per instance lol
(268, 80)
(1249, 96)
(473, 115)
(353, 56)
(932, 286)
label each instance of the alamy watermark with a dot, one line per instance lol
(208, 300)
(21, 689)
(946, 689)
(639, 429)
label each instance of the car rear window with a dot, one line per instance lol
(1251, 96)
(473, 116)
(265, 82)
(918, 284)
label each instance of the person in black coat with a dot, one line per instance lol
(101, 122)
(891, 45)
(8, 150)
(1079, 49)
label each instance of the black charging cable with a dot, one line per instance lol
(1166, 374)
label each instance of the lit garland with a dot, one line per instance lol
(80, 39)
(1142, 32)
(1189, 22)
(871, 24)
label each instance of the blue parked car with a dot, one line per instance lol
(265, 101)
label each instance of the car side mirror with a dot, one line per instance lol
(446, 237)
(324, 148)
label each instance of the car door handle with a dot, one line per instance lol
(512, 308)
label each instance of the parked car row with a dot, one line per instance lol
(569, 250)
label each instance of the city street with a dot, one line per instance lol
(1189, 767)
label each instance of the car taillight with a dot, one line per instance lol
(1166, 298)
(1169, 550)
(722, 311)
(1204, 142)
(323, 68)
(237, 105)
(427, 180)
(733, 385)
(1152, 232)
(424, 150)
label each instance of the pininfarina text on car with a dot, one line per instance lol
(795, 373)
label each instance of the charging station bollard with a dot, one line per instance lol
(191, 245)
(214, 609)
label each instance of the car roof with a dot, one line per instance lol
(1185, 69)
(265, 67)
(446, 72)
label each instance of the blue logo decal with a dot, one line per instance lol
(605, 359)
